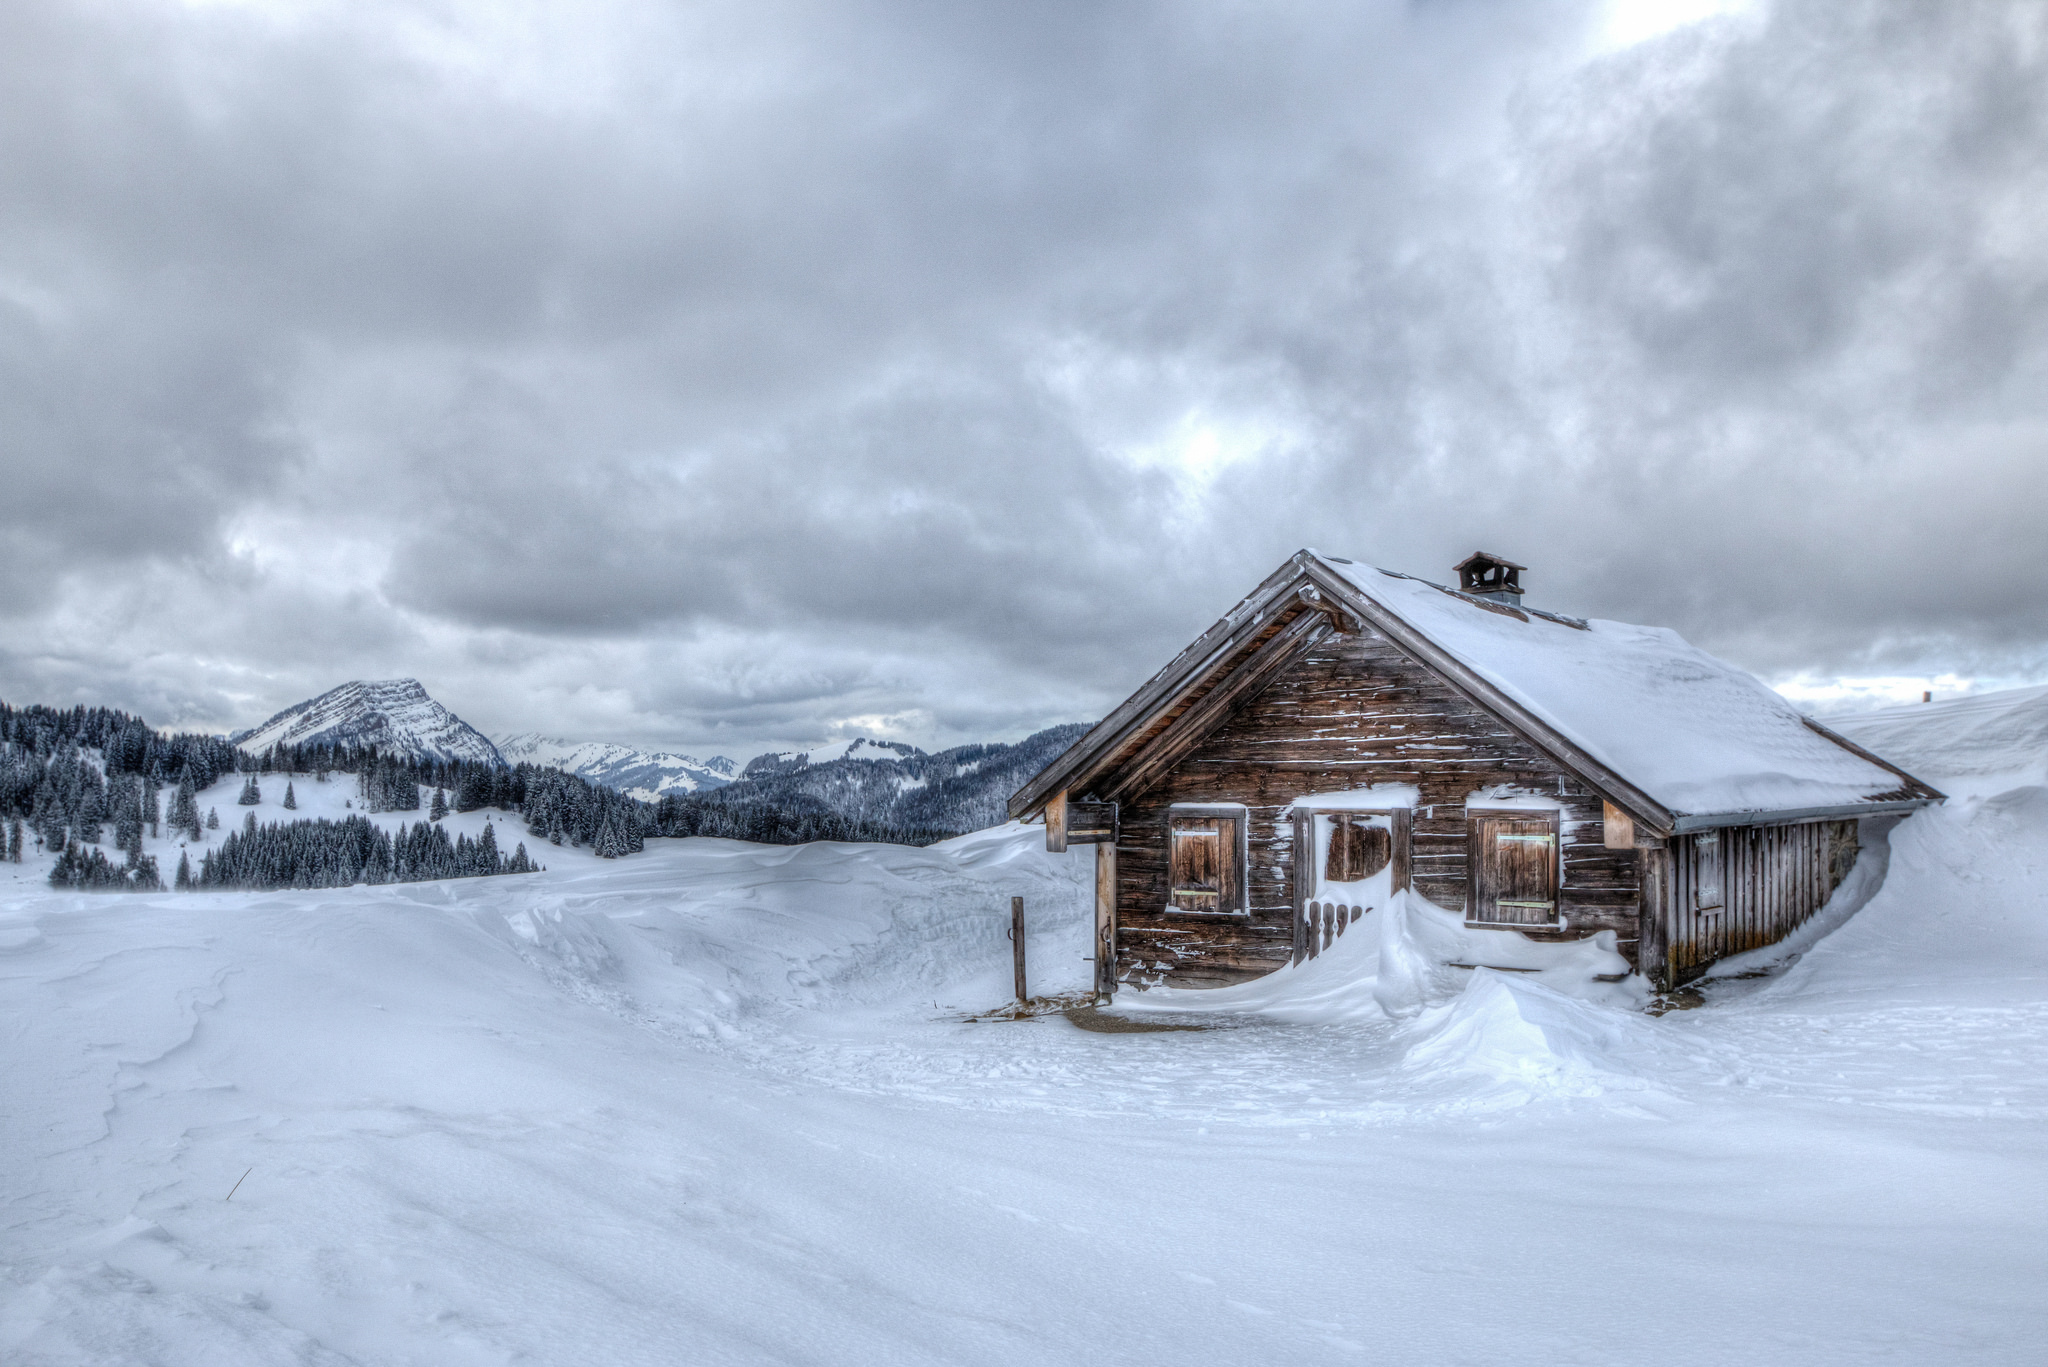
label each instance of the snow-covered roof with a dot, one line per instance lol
(1693, 732)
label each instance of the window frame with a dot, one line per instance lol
(1240, 854)
(1476, 852)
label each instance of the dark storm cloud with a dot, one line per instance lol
(737, 373)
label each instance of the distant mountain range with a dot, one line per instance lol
(645, 774)
(860, 748)
(395, 715)
(879, 781)
(962, 789)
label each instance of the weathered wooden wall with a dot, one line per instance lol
(1353, 711)
(1774, 878)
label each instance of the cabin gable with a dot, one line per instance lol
(1346, 712)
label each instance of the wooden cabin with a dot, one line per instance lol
(1348, 732)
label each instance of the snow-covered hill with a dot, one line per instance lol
(645, 774)
(962, 789)
(1978, 743)
(859, 748)
(395, 715)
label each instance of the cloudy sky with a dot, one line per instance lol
(734, 375)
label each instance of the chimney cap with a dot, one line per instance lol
(1485, 575)
(1482, 560)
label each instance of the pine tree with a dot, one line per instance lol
(14, 841)
(612, 839)
(440, 807)
(184, 813)
(213, 818)
(127, 815)
(251, 794)
(249, 824)
(291, 801)
(184, 883)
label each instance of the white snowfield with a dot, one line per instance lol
(721, 1103)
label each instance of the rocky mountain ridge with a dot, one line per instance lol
(395, 715)
(646, 774)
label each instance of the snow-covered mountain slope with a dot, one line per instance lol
(859, 748)
(1982, 742)
(645, 774)
(724, 1103)
(962, 789)
(395, 715)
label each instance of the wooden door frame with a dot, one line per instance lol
(1302, 871)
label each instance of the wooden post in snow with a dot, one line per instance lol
(1017, 946)
(1105, 920)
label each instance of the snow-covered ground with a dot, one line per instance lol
(720, 1103)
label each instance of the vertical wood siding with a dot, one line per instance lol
(1353, 711)
(1773, 878)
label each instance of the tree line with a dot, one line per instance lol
(66, 776)
(333, 854)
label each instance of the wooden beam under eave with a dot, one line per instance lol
(1056, 823)
(1617, 827)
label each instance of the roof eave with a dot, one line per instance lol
(1793, 816)
(1078, 765)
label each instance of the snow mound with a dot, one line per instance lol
(1403, 960)
(1517, 1031)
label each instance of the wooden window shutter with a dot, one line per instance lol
(1513, 867)
(1202, 872)
(1358, 849)
(1707, 877)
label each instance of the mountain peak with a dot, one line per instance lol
(395, 715)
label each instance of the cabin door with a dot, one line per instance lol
(1350, 872)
